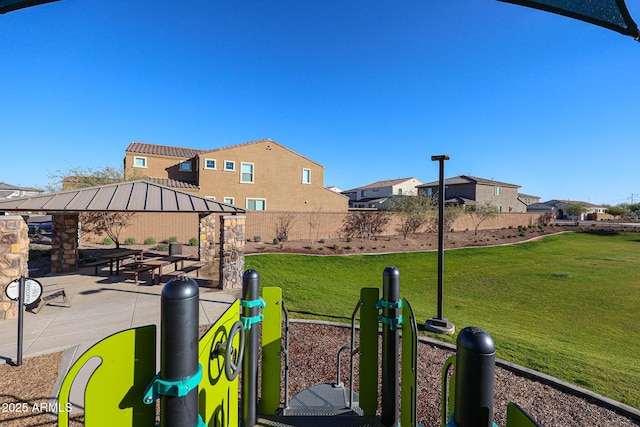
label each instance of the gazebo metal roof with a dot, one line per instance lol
(129, 196)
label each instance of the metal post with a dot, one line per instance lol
(250, 292)
(21, 287)
(474, 383)
(440, 323)
(179, 349)
(390, 347)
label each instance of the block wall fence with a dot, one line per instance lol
(305, 225)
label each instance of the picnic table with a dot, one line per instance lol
(159, 263)
(118, 255)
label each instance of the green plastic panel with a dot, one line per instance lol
(271, 350)
(369, 350)
(408, 367)
(217, 396)
(114, 391)
(448, 391)
(517, 417)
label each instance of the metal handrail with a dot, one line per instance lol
(338, 382)
(354, 352)
(286, 354)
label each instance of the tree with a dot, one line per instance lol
(617, 211)
(283, 226)
(575, 210)
(314, 219)
(413, 212)
(109, 223)
(365, 223)
(481, 212)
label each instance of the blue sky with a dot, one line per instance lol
(369, 89)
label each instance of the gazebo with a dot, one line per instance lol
(139, 197)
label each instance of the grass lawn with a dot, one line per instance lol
(567, 305)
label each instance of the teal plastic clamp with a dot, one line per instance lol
(248, 321)
(394, 322)
(159, 387)
(253, 303)
(388, 304)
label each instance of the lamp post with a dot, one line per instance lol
(439, 323)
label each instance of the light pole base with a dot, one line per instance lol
(440, 326)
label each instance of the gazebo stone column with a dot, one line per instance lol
(207, 249)
(14, 258)
(232, 242)
(64, 242)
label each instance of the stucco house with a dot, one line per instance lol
(374, 195)
(469, 190)
(257, 176)
(8, 191)
(592, 211)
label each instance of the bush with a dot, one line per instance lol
(348, 247)
(172, 239)
(130, 241)
(262, 247)
(107, 241)
(336, 246)
(162, 247)
(321, 241)
(275, 241)
(149, 241)
(309, 247)
(194, 241)
(349, 239)
(257, 239)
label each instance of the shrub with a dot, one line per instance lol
(281, 245)
(257, 239)
(130, 241)
(107, 241)
(320, 248)
(309, 247)
(262, 247)
(321, 241)
(194, 241)
(276, 241)
(336, 246)
(363, 247)
(349, 239)
(348, 248)
(162, 247)
(149, 241)
(172, 239)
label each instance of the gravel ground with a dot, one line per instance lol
(313, 351)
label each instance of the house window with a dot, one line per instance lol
(246, 172)
(363, 193)
(139, 162)
(256, 204)
(306, 176)
(399, 191)
(228, 200)
(229, 165)
(209, 163)
(499, 209)
(185, 166)
(497, 191)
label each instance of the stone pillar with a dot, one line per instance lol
(14, 258)
(64, 243)
(207, 249)
(232, 241)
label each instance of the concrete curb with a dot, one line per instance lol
(605, 402)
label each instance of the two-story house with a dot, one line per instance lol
(374, 195)
(470, 190)
(8, 191)
(260, 175)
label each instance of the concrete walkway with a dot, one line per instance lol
(100, 306)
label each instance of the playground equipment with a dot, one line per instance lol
(198, 383)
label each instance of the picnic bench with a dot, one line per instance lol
(95, 265)
(185, 270)
(137, 269)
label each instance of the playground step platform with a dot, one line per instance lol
(319, 421)
(325, 399)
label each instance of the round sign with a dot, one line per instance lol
(32, 290)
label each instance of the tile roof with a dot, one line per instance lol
(380, 184)
(129, 196)
(163, 150)
(468, 179)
